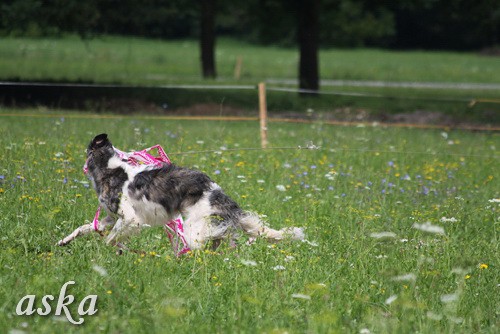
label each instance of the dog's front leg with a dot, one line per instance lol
(82, 230)
(86, 229)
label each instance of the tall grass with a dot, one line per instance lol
(365, 198)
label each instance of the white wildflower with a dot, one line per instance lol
(428, 227)
(448, 220)
(391, 299)
(410, 277)
(281, 187)
(449, 298)
(100, 270)
(433, 316)
(456, 320)
(383, 235)
(249, 263)
(310, 243)
(301, 296)
(331, 176)
(276, 268)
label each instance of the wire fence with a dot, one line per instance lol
(274, 87)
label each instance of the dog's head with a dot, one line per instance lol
(99, 151)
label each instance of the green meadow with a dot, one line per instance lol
(402, 229)
(147, 62)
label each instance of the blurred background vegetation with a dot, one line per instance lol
(405, 24)
(362, 52)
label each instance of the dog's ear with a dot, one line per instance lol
(99, 141)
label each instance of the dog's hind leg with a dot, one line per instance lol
(82, 230)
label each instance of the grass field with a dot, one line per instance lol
(402, 229)
(145, 62)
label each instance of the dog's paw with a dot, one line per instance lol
(62, 242)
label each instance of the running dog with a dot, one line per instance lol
(138, 196)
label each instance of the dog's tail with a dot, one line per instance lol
(254, 227)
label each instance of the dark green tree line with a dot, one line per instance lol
(424, 24)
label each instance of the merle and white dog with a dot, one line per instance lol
(138, 196)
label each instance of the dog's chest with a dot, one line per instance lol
(146, 211)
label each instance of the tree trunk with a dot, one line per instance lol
(308, 35)
(207, 38)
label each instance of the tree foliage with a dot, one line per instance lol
(427, 24)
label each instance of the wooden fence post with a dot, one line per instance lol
(263, 115)
(237, 67)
